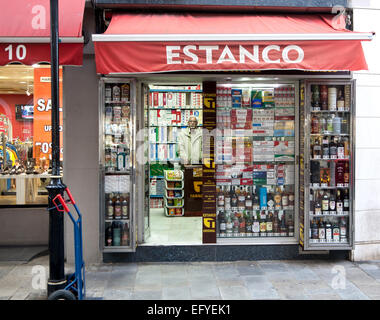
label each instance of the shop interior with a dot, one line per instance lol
(24, 174)
(255, 148)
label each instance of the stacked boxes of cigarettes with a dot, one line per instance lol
(255, 150)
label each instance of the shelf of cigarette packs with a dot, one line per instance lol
(174, 193)
(255, 172)
(330, 162)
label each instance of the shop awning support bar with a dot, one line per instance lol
(56, 279)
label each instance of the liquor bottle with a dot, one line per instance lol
(255, 226)
(234, 200)
(325, 177)
(329, 124)
(125, 208)
(117, 208)
(317, 152)
(235, 225)
(108, 92)
(110, 208)
(291, 199)
(329, 232)
(241, 224)
(311, 202)
(314, 230)
(125, 235)
(276, 225)
(263, 226)
(346, 202)
(333, 148)
(283, 228)
(227, 200)
(340, 149)
(248, 201)
(325, 148)
(229, 225)
(284, 200)
(343, 229)
(332, 99)
(241, 199)
(323, 93)
(315, 172)
(248, 223)
(339, 173)
(346, 147)
(340, 102)
(116, 233)
(337, 125)
(346, 175)
(315, 97)
(277, 199)
(220, 196)
(108, 235)
(332, 204)
(323, 124)
(315, 125)
(317, 205)
(270, 201)
(336, 232)
(339, 203)
(124, 92)
(115, 92)
(325, 203)
(256, 204)
(321, 231)
(222, 223)
(269, 225)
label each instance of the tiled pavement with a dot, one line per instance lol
(242, 280)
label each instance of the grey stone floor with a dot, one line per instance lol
(241, 280)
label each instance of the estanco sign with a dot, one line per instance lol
(165, 56)
(215, 54)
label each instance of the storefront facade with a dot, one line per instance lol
(87, 177)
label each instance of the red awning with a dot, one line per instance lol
(136, 43)
(25, 32)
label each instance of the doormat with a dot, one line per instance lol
(21, 253)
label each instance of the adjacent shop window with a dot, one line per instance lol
(255, 156)
(25, 134)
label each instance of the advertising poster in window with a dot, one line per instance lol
(42, 116)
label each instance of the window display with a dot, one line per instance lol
(116, 157)
(25, 135)
(329, 158)
(255, 157)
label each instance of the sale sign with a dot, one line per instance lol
(42, 116)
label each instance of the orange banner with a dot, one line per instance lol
(42, 116)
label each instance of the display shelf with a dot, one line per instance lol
(330, 111)
(330, 134)
(177, 108)
(175, 90)
(156, 195)
(116, 102)
(113, 220)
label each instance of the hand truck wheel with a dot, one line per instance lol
(62, 295)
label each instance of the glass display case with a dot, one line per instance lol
(327, 165)
(256, 152)
(117, 140)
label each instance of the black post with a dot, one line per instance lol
(56, 237)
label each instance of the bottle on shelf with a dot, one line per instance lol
(317, 152)
(323, 124)
(321, 231)
(336, 232)
(108, 235)
(315, 97)
(332, 97)
(337, 124)
(315, 129)
(222, 223)
(325, 203)
(340, 101)
(116, 233)
(332, 203)
(314, 230)
(323, 97)
(346, 202)
(255, 226)
(248, 223)
(117, 208)
(346, 175)
(249, 201)
(269, 225)
(283, 227)
(329, 124)
(125, 208)
(333, 148)
(263, 225)
(235, 224)
(340, 149)
(277, 199)
(339, 173)
(325, 148)
(329, 232)
(276, 225)
(343, 229)
(317, 205)
(110, 207)
(229, 225)
(125, 235)
(241, 223)
(115, 92)
(325, 177)
(339, 203)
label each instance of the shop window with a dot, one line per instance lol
(25, 135)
